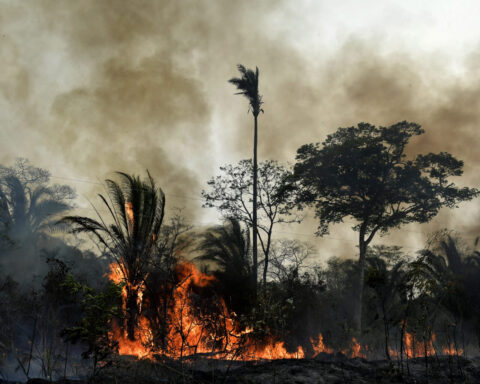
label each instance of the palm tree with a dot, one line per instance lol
(248, 87)
(136, 210)
(228, 247)
(28, 211)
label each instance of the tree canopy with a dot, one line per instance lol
(363, 172)
(132, 235)
(231, 193)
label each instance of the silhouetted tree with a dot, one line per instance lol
(28, 205)
(98, 311)
(363, 172)
(137, 209)
(231, 193)
(384, 277)
(458, 273)
(162, 280)
(248, 87)
(228, 247)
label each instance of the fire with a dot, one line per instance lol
(451, 350)
(218, 334)
(356, 349)
(137, 347)
(319, 346)
(418, 348)
(129, 213)
(192, 333)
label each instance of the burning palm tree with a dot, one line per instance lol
(248, 87)
(136, 211)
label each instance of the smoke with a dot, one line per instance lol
(92, 87)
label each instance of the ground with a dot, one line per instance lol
(323, 369)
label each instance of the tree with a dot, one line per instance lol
(363, 172)
(228, 246)
(384, 274)
(232, 191)
(98, 311)
(162, 280)
(458, 271)
(137, 209)
(248, 87)
(29, 207)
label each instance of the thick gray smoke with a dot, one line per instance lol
(91, 87)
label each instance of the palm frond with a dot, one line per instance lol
(247, 85)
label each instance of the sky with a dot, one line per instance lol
(90, 87)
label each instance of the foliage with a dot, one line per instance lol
(231, 193)
(137, 210)
(98, 309)
(248, 87)
(28, 205)
(228, 248)
(161, 281)
(290, 308)
(363, 172)
(384, 277)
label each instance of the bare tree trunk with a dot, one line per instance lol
(30, 355)
(255, 230)
(386, 331)
(267, 252)
(357, 316)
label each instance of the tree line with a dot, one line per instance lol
(360, 172)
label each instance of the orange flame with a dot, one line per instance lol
(129, 213)
(192, 331)
(418, 348)
(319, 346)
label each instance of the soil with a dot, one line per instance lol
(323, 369)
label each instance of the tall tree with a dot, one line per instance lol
(231, 193)
(362, 172)
(248, 87)
(136, 211)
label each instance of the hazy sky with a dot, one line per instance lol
(89, 87)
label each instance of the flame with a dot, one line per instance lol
(356, 349)
(129, 213)
(218, 333)
(138, 347)
(418, 348)
(451, 350)
(319, 347)
(191, 332)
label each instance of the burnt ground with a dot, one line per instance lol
(323, 369)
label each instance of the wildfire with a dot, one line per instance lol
(418, 348)
(217, 334)
(191, 332)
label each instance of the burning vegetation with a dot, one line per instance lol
(163, 293)
(212, 333)
(216, 333)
